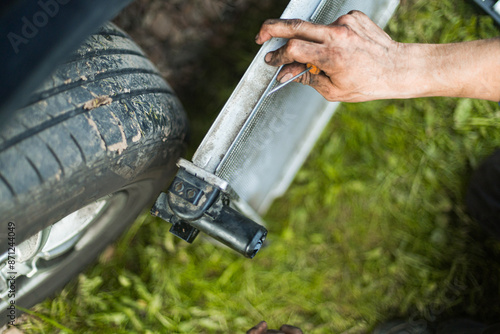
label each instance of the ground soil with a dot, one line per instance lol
(201, 47)
(176, 33)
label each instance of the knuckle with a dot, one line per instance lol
(355, 12)
(339, 32)
(271, 22)
(347, 19)
(292, 46)
(295, 24)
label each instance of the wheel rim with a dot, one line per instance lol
(42, 254)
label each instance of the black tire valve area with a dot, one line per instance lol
(58, 156)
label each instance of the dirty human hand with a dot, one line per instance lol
(261, 328)
(360, 62)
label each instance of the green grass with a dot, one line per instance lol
(373, 228)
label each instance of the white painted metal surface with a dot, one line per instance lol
(258, 143)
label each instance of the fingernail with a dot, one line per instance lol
(256, 37)
(286, 77)
(268, 57)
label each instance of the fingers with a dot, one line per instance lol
(287, 329)
(299, 29)
(289, 71)
(295, 28)
(260, 328)
(321, 82)
(353, 54)
(296, 50)
(304, 47)
(362, 24)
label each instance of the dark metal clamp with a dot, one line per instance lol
(199, 201)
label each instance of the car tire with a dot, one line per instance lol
(94, 145)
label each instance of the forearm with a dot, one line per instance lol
(468, 69)
(360, 62)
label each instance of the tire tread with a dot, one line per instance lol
(55, 147)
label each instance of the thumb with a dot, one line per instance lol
(321, 82)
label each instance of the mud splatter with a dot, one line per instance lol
(97, 102)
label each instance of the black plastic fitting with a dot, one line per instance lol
(194, 205)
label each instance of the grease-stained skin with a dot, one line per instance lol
(261, 328)
(360, 62)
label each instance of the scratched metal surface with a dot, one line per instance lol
(257, 145)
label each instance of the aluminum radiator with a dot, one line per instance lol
(258, 150)
(256, 145)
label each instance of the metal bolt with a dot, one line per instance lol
(179, 186)
(191, 193)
